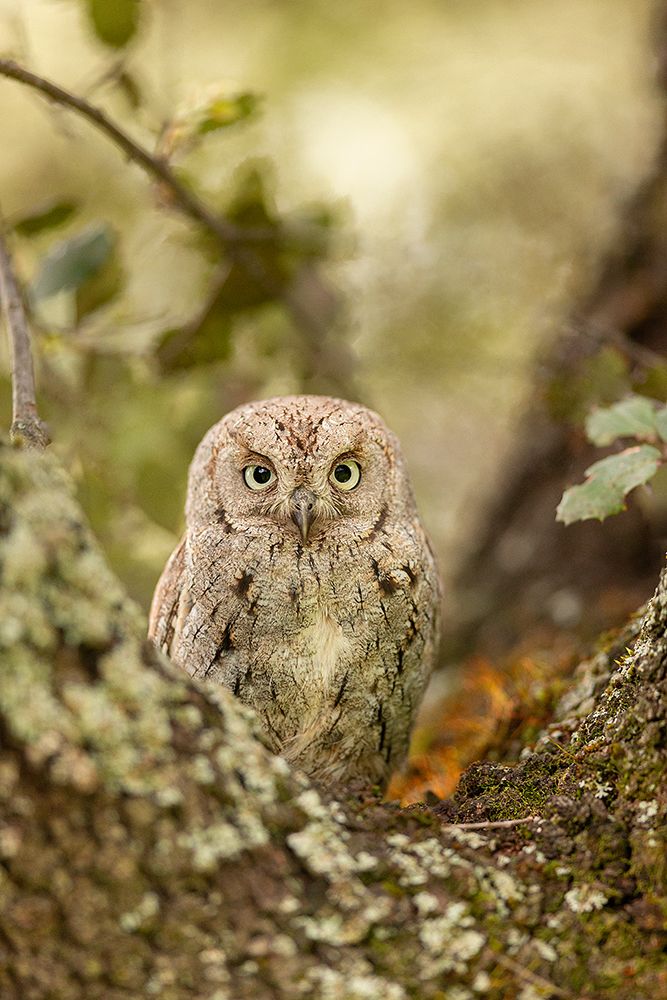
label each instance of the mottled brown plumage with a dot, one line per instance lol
(313, 597)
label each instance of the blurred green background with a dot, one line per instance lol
(449, 175)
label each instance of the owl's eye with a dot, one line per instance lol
(258, 477)
(346, 475)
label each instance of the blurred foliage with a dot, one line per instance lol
(455, 169)
(211, 111)
(115, 21)
(73, 262)
(48, 217)
(240, 287)
(601, 378)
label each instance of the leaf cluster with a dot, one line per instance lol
(637, 419)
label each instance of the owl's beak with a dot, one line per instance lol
(302, 510)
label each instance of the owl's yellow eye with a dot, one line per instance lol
(346, 475)
(258, 477)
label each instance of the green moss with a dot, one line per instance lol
(393, 888)
(510, 792)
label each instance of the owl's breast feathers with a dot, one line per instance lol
(332, 649)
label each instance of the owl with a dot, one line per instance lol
(305, 583)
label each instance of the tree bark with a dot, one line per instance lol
(150, 845)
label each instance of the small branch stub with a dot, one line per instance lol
(26, 424)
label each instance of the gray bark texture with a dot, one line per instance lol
(151, 846)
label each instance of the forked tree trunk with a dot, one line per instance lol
(150, 845)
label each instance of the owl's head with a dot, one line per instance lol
(309, 464)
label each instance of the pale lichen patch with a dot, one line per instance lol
(506, 886)
(411, 872)
(646, 811)
(202, 770)
(426, 903)
(223, 841)
(482, 982)
(459, 993)
(545, 950)
(323, 850)
(147, 907)
(26, 700)
(585, 898)
(332, 984)
(22, 619)
(449, 941)
(365, 862)
(532, 991)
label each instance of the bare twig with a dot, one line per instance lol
(562, 749)
(529, 976)
(490, 824)
(26, 424)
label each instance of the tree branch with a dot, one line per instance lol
(491, 824)
(155, 166)
(26, 423)
(311, 308)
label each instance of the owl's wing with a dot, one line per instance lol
(167, 600)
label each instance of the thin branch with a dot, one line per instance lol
(490, 824)
(236, 240)
(26, 424)
(228, 233)
(563, 750)
(529, 976)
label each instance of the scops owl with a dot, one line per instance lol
(305, 582)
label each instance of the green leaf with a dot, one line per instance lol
(101, 287)
(221, 112)
(183, 348)
(115, 21)
(48, 217)
(607, 484)
(653, 381)
(211, 111)
(72, 262)
(632, 417)
(661, 422)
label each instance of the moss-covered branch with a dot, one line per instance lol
(151, 846)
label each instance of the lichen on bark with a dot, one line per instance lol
(150, 845)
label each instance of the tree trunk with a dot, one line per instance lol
(151, 846)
